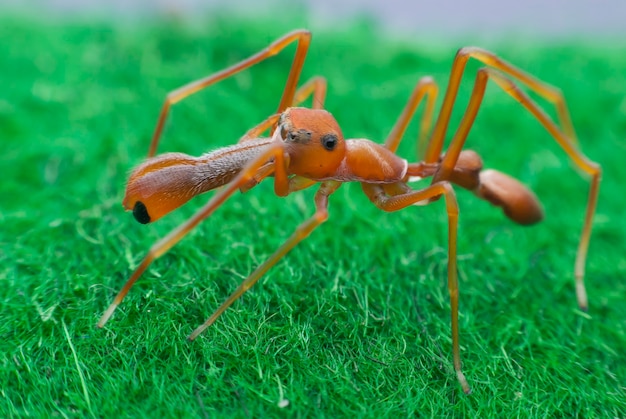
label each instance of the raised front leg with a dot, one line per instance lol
(303, 37)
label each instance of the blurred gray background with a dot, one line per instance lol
(604, 19)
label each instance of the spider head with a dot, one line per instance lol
(314, 142)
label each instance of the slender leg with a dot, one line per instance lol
(260, 128)
(566, 143)
(303, 231)
(550, 93)
(385, 202)
(425, 88)
(302, 36)
(315, 86)
(162, 246)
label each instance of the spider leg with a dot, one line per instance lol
(545, 90)
(565, 142)
(376, 193)
(302, 232)
(275, 151)
(425, 88)
(303, 37)
(316, 87)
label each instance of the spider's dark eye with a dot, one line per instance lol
(329, 141)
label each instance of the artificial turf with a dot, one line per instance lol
(354, 321)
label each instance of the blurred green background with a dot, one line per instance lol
(355, 321)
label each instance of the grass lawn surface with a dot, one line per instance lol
(354, 321)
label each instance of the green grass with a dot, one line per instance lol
(355, 321)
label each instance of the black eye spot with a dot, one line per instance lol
(140, 212)
(329, 141)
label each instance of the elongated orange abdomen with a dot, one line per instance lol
(163, 183)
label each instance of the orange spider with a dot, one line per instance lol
(307, 146)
